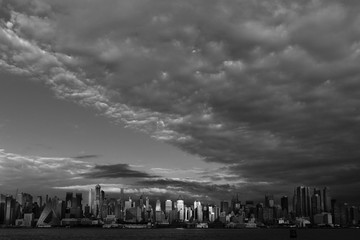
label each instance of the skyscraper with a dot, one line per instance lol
(2, 208)
(97, 206)
(197, 205)
(158, 206)
(224, 206)
(39, 201)
(168, 205)
(68, 199)
(10, 210)
(180, 208)
(285, 204)
(269, 201)
(302, 202)
(316, 203)
(91, 200)
(321, 199)
(235, 203)
(327, 200)
(199, 211)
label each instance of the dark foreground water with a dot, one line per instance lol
(174, 234)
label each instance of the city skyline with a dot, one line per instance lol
(310, 208)
(202, 99)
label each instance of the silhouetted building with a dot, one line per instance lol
(285, 205)
(316, 204)
(2, 208)
(10, 211)
(97, 206)
(235, 204)
(302, 201)
(224, 206)
(327, 200)
(39, 201)
(269, 201)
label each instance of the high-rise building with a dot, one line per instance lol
(91, 200)
(199, 211)
(97, 205)
(211, 213)
(69, 199)
(10, 210)
(235, 203)
(321, 198)
(302, 201)
(168, 205)
(128, 204)
(224, 206)
(180, 208)
(326, 200)
(73, 205)
(2, 208)
(168, 208)
(285, 203)
(197, 205)
(269, 201)
(141, 201)
(316, 204)
(158, 206)
(39, 201)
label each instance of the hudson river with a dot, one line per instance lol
(205, 234)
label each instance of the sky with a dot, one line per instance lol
(204, 99)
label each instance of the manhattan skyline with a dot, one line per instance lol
(203, 99)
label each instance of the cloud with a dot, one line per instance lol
(30, 172)
(89, 156)
(268, 89)
(121, 170)
(208, 191)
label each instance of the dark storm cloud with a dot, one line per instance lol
(89, 156)
(121, 170)
(269, 89)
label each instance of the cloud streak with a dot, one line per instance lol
(121, 170)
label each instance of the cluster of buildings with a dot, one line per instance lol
(309, 207)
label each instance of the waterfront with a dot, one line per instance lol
(208, 234)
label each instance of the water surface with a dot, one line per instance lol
(174, 234)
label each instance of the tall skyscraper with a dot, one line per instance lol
(235, 203)
(302, 201)
(2, 208)
(199, 211)
(10, 210)
(141, 202)
(321, 199)
(168, 205)
(90, 197)
(158, 206)
(316, 203)
(180, 208)
(327, 200)
(39, 201)
(68, 199)
(97, 206)
(285, 204)
(197, 204)
(269, 201)
(224, 206)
